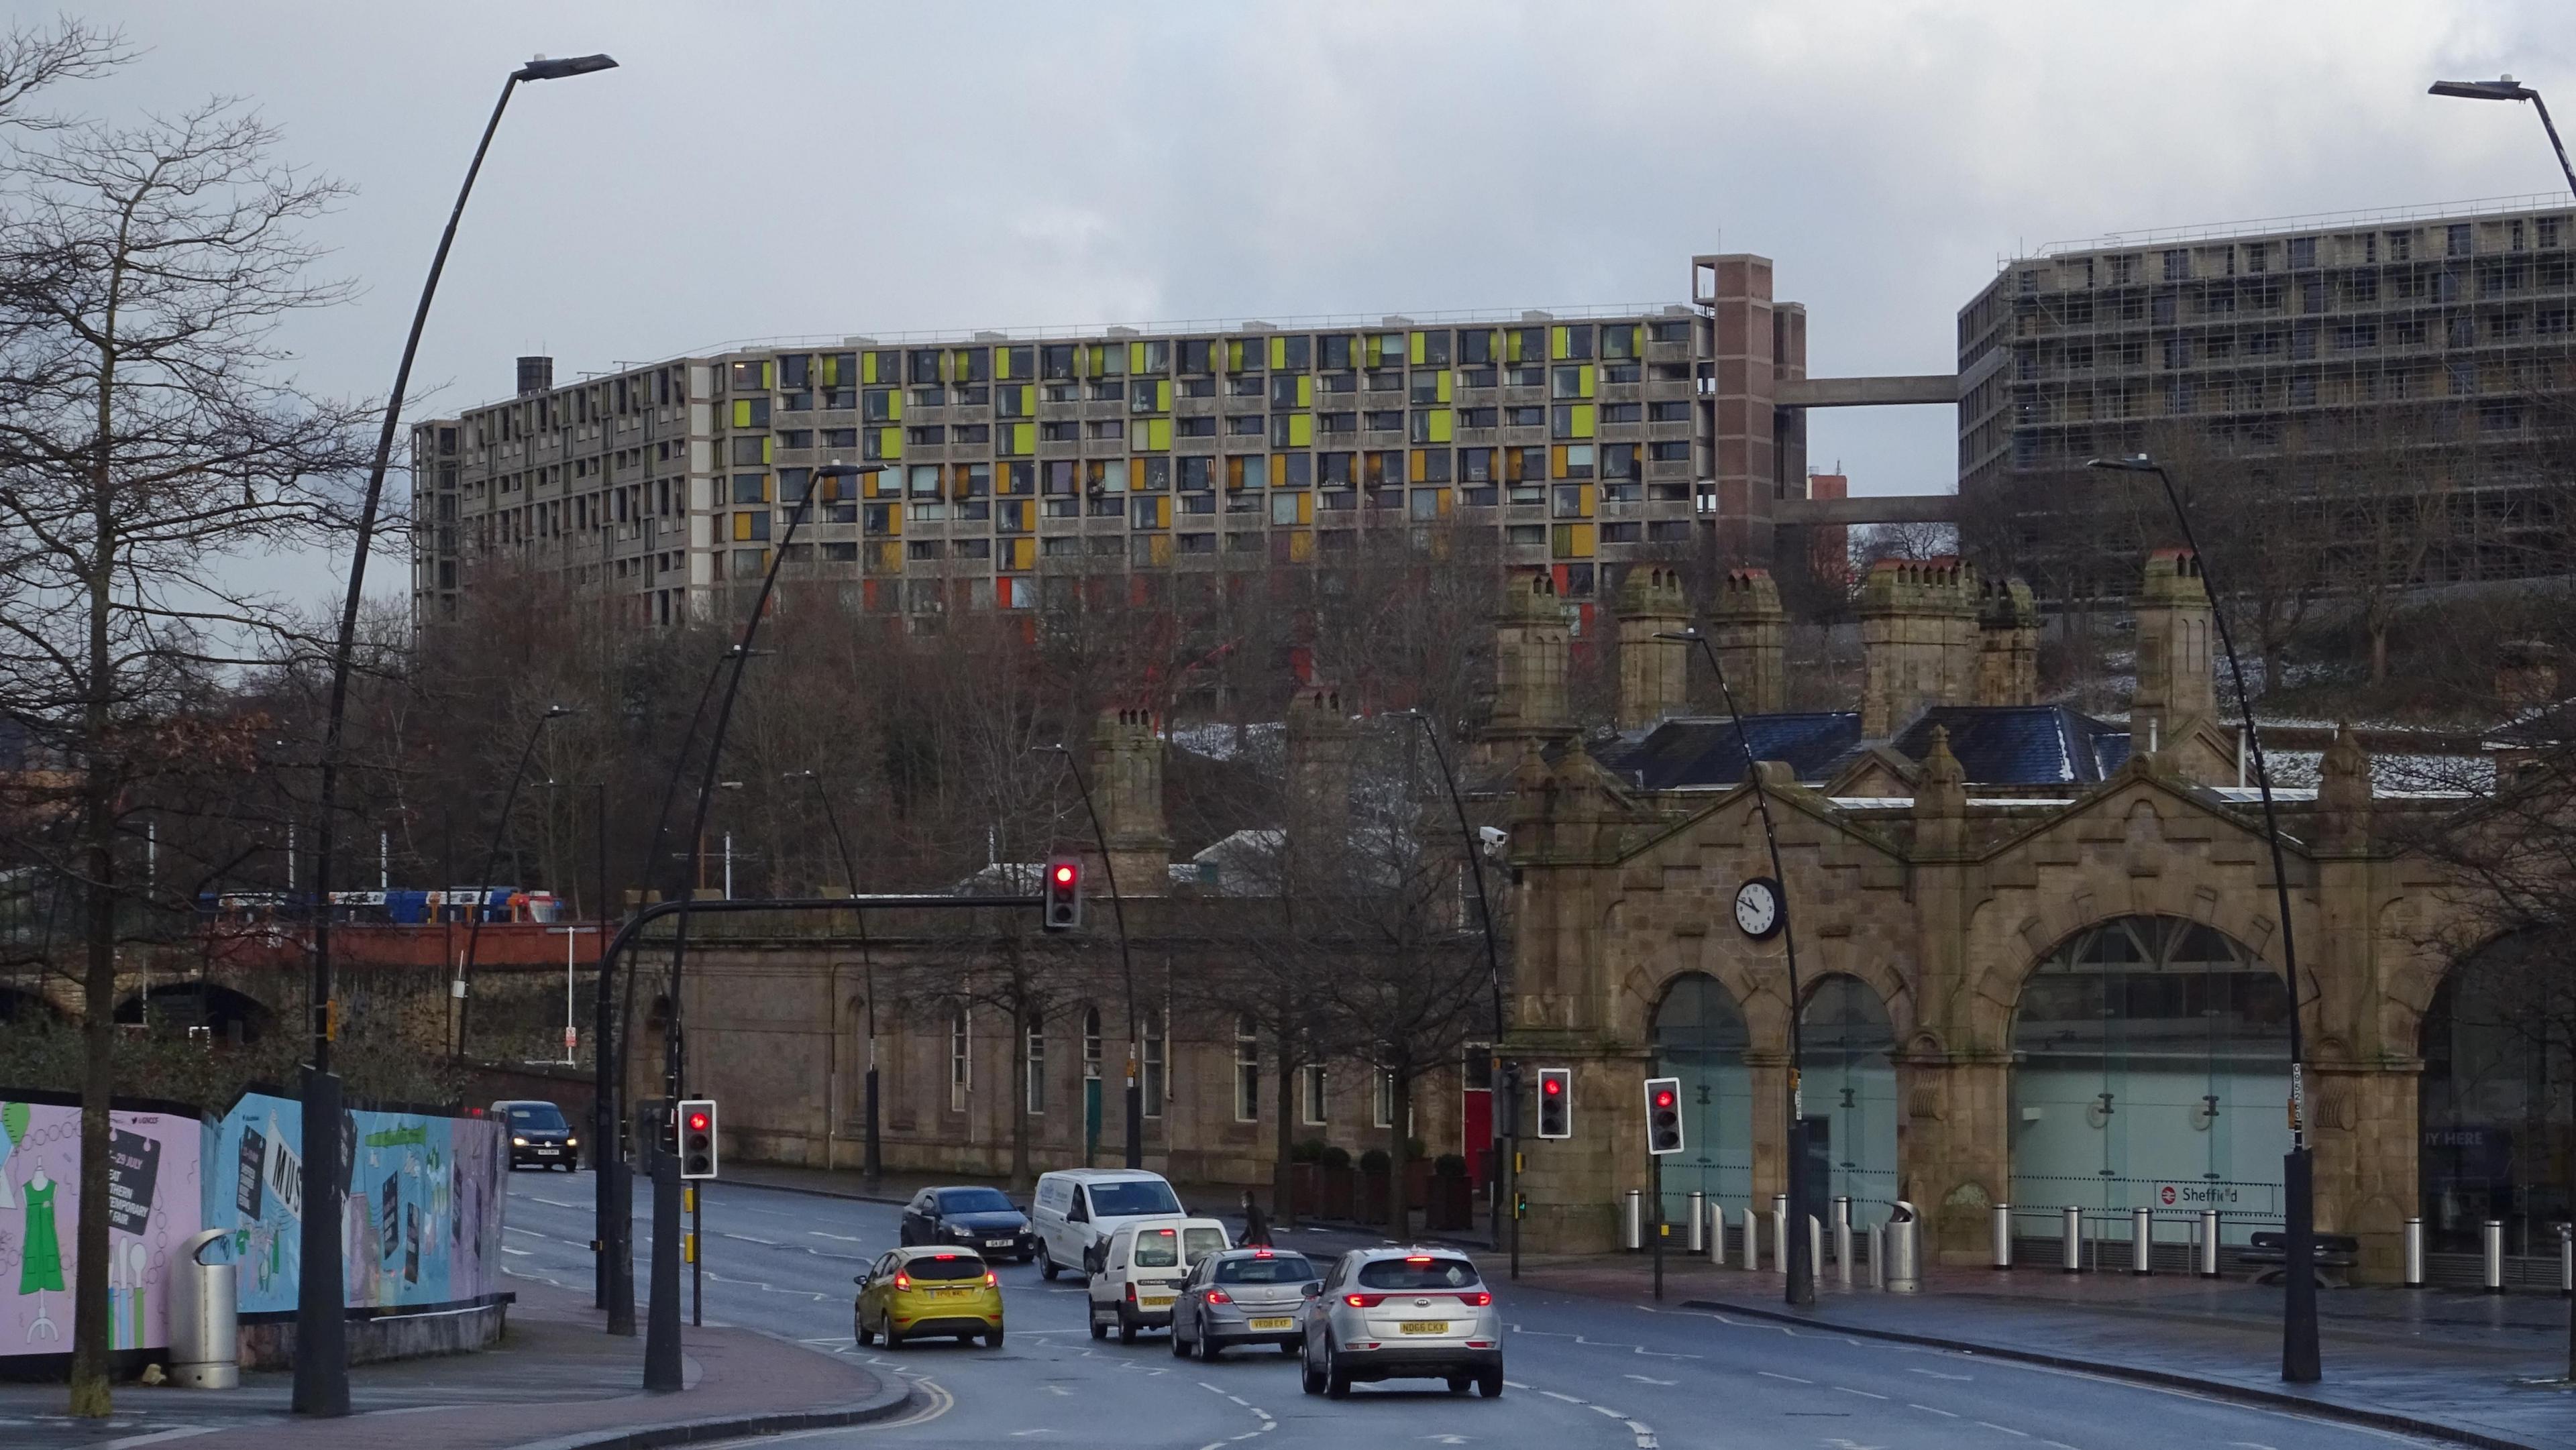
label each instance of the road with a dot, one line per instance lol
(1582, 1372)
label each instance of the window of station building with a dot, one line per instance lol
(1196, 355)
(1338, 383)
(1337, 500)
(1196, 543)
(1425, 503)
(1198, 503)
(1378, 470)
(1572, 460)
(747, 376)
(1104, 475)
(976, 433)
(1613, 414)
(926, 549)
(1109, 390)
(1383, 382)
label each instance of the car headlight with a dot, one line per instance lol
(572, 1142)
(518, 1142)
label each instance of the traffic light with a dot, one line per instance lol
(698, 1138)
(1663, 1115)
(1063, 909)
(1556, 1102)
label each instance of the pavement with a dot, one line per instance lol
(556, 1382)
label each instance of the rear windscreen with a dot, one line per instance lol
(1432, 1273)
(1157, 1248)
(1132, 1200)
(946, 1266)
(1277, 1269)
(1198, 1243)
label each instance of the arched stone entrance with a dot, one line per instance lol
(1850, 1091)
(1700, 1038)
(2498, 1128)
(2151, 1068)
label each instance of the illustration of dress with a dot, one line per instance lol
(41, 1269)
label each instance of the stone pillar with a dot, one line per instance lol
(1127, 787)
(2176, 648)
(1917, 636)
(1530, 644)
(1746, 624)
(1654, 678)
(2008, 645)
(1322, 743)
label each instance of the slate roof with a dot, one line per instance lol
(2020, 744)
(1704, 751)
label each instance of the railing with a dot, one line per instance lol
(1248, 327)
(2312, 221)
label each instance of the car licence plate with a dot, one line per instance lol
(1261, 1326)
(1155, 1301)
(997, 1243)
(546, 1152)
(1426, 1326)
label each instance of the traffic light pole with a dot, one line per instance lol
(1655, 1191)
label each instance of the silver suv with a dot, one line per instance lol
(1397, 1313)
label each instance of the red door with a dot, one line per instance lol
(1476, 1129)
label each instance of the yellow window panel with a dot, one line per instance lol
(1159, 436)
(742, 528)
(894, 522)
(1234, 355)
(1305, 392)
(1590, 376)
(867, 367)
(1582, 420)
(1163, 395)
(1637, 340)
(1301, 547)
(1591, 497)
(1001, 363)
(1028, 399)
(1512, 346)
(894, 405)
(766, 447)
(1159, 549)
(1440, 422)
(1024, 437)
(1305, 509)
(1135, 357)
(1444, 385)
(1417, 348)
(742, 412)
(1023, 555)
(890, 442)
(1301, 428)
(1556, 461)
(1558, 344)
(1414, 475)
(1279, 352)
(1446, 497)
(769, 375)
(1572, 541)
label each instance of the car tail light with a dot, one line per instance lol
(994, 1281)
(1261, 1253)
(1364, 1301)
(1131, 1293)
(902, 1281)
(1479, 1299)
(1219, 1296)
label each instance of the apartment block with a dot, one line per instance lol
(1018, 465)
(2448, 333)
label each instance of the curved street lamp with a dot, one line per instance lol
(873, 1162)
(321, 1330)
(2506, 88)
(483, 881)
(2299, 1352)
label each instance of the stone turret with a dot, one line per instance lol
(1918, 639)
(1530, 637)
(1127, 786)
(2343, 793)
(2008, 645)
(2176, 649)
(1746, 624)
(1654, 674)
(1322, 743)
(1940, 797)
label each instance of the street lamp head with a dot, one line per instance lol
(556, 712)
(542, 69)
(2502, 88)
(2126, 463)
(1686, 636)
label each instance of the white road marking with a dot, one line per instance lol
(1793, 1379)
(1648, 1380)
(844, 1238)
(1553, 1395)
(746, 1238)
(1846, 1389)
(1936, 1374)
(158, 1436)
(521, 1253)
(2250, 1445)
(2007, 1429)
(1927, 1409)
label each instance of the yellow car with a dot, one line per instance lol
(913, 1292)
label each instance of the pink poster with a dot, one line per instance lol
(153, 1207)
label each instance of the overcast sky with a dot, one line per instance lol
(755, 170)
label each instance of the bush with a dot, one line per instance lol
(1335, 1156)
(1415, 1150)
(1451, 1165)
(1309, 1150)
(1374, 1162)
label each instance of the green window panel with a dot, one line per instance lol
(1135, 357)
(1234, 355)
(1301, 428)
(889, 442)
(868, 368)
(894, 406)
(742, 412)
(1305, 390)
(1417, 348)
(1436, 425)
(1557, 344)
(1279, 352)
(1444, 384)
(1581, 426)
(1512, 345)
(1001, 363)
(1591, 377)
(1158, 433)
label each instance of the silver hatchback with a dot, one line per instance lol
(1241, 1296)
(1398, 1313)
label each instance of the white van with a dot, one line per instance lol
(1141, 1272)
(1075, 1210)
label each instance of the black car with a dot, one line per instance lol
(978, 1218)
(538, 1135)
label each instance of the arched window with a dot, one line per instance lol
(1851, 1088)
(1700, 1038)
(2151, 1060)
(1152, 1031)
(2493, 1102)
(961, 1063)
(1247, 1070)
(1036, 1048)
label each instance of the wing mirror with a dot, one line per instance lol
(861, 1281)
(1311, 1289)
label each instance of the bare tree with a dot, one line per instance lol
(146, 444)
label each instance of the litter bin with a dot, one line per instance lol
(1904, 1250)
(204, 1344)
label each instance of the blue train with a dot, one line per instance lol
(496, 904)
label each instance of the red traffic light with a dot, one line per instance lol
(697, 1122)
(1550, 1086)
(1664, 1098)
(1064, 873)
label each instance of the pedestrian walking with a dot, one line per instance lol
(1256, 1224)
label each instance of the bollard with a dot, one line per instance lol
(1632, 1234)
(205, 1352)
(1904, 1250)
(1815, 1247)
(1843, 1238)
(1695, 1229)
(1751, 1246)
(2003, 1236)
(2209, 1243)
(2493, 1236)
(1878, 1255)
(1716, 1234)
(1780, 1234)
(2070, 1244)
(2566, 1261)
(2142, 1241)
(2414, 1253)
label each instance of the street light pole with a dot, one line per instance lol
(2506, 88)
(464, 988)
(1801, 1263)
(662, 1368)
(874, 1151)
(1503, 1129)
(2300, 1357)
(1126, 964)
(321, 1330)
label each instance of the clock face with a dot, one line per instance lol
(1757, 907)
